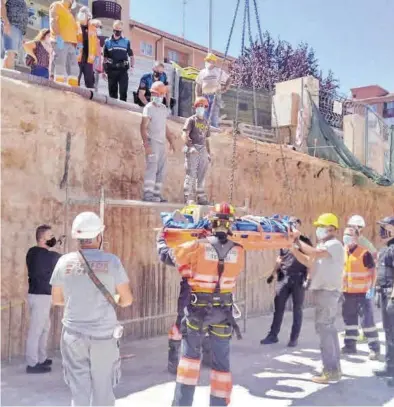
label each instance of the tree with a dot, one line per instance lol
(275, 61)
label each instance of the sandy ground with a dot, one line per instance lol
(263, 375)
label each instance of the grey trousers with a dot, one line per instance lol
(326, 309)
(91, 368)
(155, 171)
(66, 64)
(196, 166)
(37, 336)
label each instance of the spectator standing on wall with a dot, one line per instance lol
(40, 263)
(98, 62)
(88, 49)
(118, 59)
(146, 82)
(64, 30)
(14, 16)
(212, 81)
(38, 53)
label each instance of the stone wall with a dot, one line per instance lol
(106, 150)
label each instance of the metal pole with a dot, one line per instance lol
(184, 18)
(210, 27)
(366, 136)
(302, 110)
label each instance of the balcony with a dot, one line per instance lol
(106, 9)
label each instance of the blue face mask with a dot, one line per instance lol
(321, 233)
(157, 99)
(348, 240)
(200, 111)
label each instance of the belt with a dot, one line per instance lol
(123, 64)
(72, 331)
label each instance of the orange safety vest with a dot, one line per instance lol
(93, 41)
(67, 26)
(198, 262)
(356, 277)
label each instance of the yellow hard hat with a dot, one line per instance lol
(211, 57)
(327, 219)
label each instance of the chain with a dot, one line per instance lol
(233, 159)
(288, 185)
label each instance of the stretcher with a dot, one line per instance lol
(252, 232)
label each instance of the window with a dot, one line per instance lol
(173, 56)
(388, 110)
(146, 49)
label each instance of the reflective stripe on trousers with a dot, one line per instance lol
(91, 368)
(66, 64)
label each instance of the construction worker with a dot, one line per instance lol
(87, 282)
(197, 151)
(64, 31)
(357, 221)
(211, 266)
(292, 276)
(143, 95)
(386, 284)
(211, 82)
(326, 282)
(88, 49)
(358, 284)
(154, 132)
(118, 60)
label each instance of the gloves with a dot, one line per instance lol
(270, 279)
(59, 42)
(306, 284)
(390, 307)
(370, 294)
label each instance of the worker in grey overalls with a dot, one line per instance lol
(154, 132)
(197, 153)
(90, 283)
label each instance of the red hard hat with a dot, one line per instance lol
(224, 211)
(201, 100)
(159, 87)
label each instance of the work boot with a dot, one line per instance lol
(374, 355)
(327, 377)
(162, 200)
(385, 372)
(203, 202)
(47, 362)
(269, 339)
(346, 350)
(37, 369)
(151, 199)
(292, 343)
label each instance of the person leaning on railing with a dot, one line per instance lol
(38, 53)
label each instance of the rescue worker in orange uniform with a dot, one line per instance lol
(359, 279)
(211, 266)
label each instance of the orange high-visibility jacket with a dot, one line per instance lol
(356, 277)
(93, 43)
(198, 262)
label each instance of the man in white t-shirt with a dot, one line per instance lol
(326, 276)
(212, 81)
(154, 133)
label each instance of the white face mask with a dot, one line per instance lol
(348, 240)
(157, 99)
(321, 233)
(98, 31)
(200, 111)
(209, 65)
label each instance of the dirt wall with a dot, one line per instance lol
(106, 150)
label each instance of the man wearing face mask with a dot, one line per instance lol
(327, 287)
(64, 31)
(143, 95)
(197, 150)
(90, 284)
(386, 283)
(358, 283)
(211, 266)
(118, 59)
(211, 82)
(88, 49)
(40, 263)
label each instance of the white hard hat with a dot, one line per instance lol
(356, 220)
(86, 225)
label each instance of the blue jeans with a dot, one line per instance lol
(194, 331)
(214, 108)
(12, 42)
(40, 71)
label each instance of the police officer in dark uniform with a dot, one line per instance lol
(292, 280)
(143, 95)
(385, 283)
(116, 52)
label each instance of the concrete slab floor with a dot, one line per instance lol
(272, 375)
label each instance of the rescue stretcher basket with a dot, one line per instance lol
(247, 231)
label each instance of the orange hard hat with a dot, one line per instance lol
(201, 100)
(159, 87)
